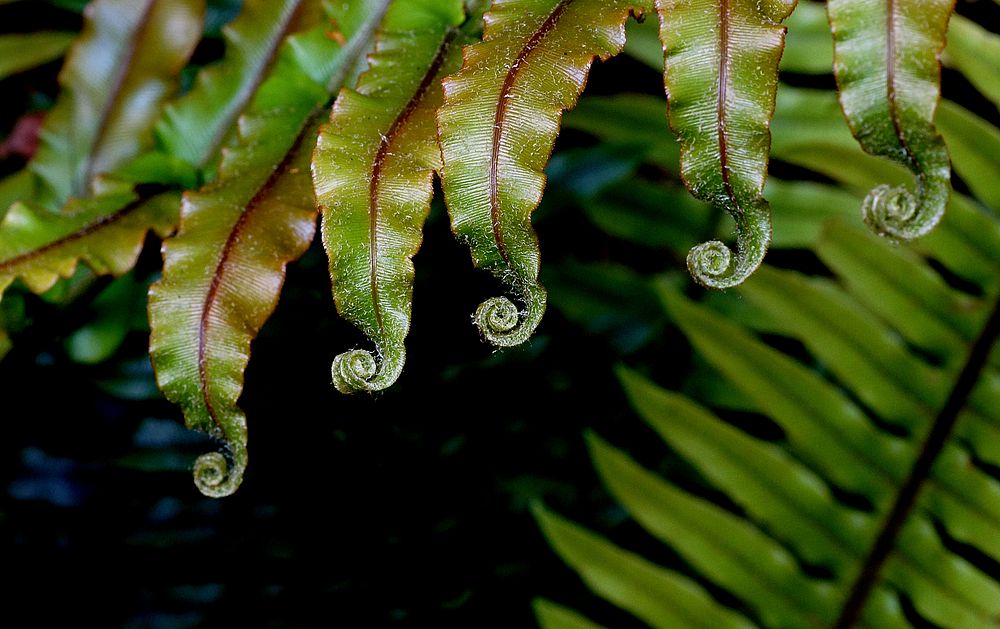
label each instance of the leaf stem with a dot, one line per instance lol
(908, 493)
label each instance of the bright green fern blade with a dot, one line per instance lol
(775, 490)
(975, 51)
(20, 52)
(373, 171)
(194, 127)
(723, 546)
(808, 49)
(224, 270)
(895, 283)
(887, 64)
(721, 78)
(552, 616)
(829, 431)
(660, 597)
(497, 128)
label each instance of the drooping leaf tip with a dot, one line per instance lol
(358, 370)
(714, 265)
(897, 214)
(218, 475)
(503, 324)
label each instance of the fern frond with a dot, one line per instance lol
(106, 232)
(116, 78)
(887, 64)
(373, 170)
(496, 137)
(224, 270)
(194, 127)
(721, 79)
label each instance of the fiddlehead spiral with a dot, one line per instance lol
(714, 265)
(898, 214)
(218, 474)
(503, 324)
(497, 127)
(358, 370)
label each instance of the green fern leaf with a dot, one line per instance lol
(194, 127)
(976, 52)
(497, 135)
(22, 52)
(373, 169)
(887, 64)
(224, 270)
(106, 232)
(552, 616)
(116, 78)
(662, 598)
(721, 77)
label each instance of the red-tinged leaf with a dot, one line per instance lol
(497, 127)
(373, 169)
(721, 78)
(116, 78)
(106, 232)
(224, 270)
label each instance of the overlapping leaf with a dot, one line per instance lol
(373, 170)
(224, 270)
(884, 344)
(106, 232)
(497, 127)
(21, 52)
(887, 64)
(194, 127)
(116, 78)
(721, 77)
(38, 239)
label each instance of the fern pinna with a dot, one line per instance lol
(350, 109)
(830, 461)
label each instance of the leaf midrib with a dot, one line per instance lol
(503, 105)
(112, 100)
(906, 498)
(383, 152)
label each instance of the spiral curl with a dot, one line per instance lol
(897, 214)
(217, 475)
(358, 370)
(714, 265)
(502, 324)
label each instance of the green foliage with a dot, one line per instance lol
(22, 52)
(374, 167)
(410, 91)
(721, 75)
(831, 454)
(887, 64)
(224, 269)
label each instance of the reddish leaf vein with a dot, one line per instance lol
(501, 114)
(724, 62)
(380, 156)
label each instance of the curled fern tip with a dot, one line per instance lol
(897, 214)
(714, 265)
(216, 476)
(358, 370)
(503, 324)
